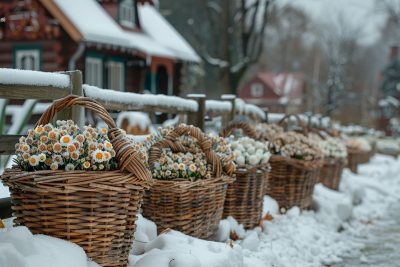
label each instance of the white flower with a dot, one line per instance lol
(251, 150)
(240, 160)
(54, 166)
(34, 160)
(66, 140)
(98, 156)
(42, 157)
(265, 158)
(254, 160)
(69, 167)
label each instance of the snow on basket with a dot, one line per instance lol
(244, 197)
(295, 165)
(67, 183)
(189, 183)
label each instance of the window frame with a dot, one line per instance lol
(123, 6)
(91, 60)
(112, 63)
(36, 51)
(257, 89)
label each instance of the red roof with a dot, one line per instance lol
(277, 88)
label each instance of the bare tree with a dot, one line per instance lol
(237, 32)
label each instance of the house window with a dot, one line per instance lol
(94, 71)
(27, 59)
(116, 75)
(127, 13)
(257, 90)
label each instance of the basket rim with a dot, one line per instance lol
(183, 184)
(79, 180)
(309, 165)
(252, 168)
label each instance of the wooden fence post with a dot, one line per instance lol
(226, 118)
(78, 113)
(266, 115)
(197, 118)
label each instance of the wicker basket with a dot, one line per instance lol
(332, 168)
(291, 181)
(194, 208)
(94, 209)
(357, 157)
(244, 198)
(331, 172)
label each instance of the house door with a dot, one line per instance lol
(162, 80)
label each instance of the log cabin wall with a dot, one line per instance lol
(28, 25)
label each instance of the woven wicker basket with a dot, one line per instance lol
(332, 168)
(331, 172)
(291, 181)
(194, 208)
(357, 157)
(94, 209)
(244, 198)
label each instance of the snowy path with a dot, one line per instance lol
(356, 227)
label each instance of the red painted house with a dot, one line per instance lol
(118, 44)
(279, 92)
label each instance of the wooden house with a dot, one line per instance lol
(123, 45)
(277, 92)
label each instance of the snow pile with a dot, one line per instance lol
(184, 251)
(306, 239)
(30, 77)
(18, 247)
(139, 101)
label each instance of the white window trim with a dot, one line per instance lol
(129, 5)
(94, 71)
(257, 90)
(21, 53)
(116, 75)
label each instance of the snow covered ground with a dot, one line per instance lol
(313, 238)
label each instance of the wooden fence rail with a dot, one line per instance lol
(61, 84)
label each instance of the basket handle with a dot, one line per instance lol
(286, 119)
(170, 141)
(126, 155)
(247, 129)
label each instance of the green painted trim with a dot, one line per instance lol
(20, 47)
(95, 54)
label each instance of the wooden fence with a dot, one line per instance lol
(194, 108)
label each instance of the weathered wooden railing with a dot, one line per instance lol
(19, 84)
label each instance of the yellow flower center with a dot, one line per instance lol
(99, 155)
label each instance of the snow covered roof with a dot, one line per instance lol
(158, 28)
(158, 38)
